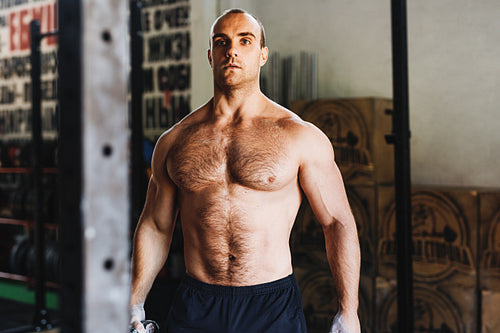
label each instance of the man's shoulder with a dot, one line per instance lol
(298, 127)
(194, 117)
(288, 119)
(308, 141)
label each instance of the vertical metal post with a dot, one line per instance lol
(139, 177)
(105, 203)
(94, 166)
(401, 140)
(41, 316)
(69, 165)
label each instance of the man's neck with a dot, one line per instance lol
(236, 103)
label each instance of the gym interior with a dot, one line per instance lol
(87, 87)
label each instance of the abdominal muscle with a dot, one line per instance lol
(237, 236)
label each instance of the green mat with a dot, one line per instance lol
(19, 291)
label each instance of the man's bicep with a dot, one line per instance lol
(322, 183)
(160, 206)
(166, 207)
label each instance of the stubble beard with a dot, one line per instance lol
(230, 82)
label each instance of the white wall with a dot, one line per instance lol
(203, 13)
(454, 54)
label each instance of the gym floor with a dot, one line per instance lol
(16, 317)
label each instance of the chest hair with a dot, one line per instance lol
(254, 157)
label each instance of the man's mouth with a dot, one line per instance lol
(230, 66)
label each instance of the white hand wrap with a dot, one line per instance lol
(137, 314)
(338, 325)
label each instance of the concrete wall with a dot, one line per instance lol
(454, 70)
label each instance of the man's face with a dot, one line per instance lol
(235, 53)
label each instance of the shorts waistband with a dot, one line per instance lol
(258, 289)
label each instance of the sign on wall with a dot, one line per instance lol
(15, 81)
(167, 65)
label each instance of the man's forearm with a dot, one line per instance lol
(342, 248)
(148, 257)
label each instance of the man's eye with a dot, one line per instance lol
(245, 41)
(220, 43)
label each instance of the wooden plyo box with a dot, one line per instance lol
(444, 235)
(489, 263)
(444, 241)
(456, 244)
(357, 128)
(435, 309)
(489, 214)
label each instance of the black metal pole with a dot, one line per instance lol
(401, 140)
(70, 165)
(139, 177)
(41, 320)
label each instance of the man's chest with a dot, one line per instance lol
(257, 158)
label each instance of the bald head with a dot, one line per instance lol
(236, 11)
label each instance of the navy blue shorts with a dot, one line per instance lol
(272, 307)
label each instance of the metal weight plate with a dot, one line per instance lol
(30, 262)
(51, 261)
(18, 254)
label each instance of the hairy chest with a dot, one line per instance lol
(259, 158)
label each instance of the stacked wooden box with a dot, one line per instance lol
(456, 234)
(489, 260)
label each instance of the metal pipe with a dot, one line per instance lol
(401, 140)
(138, 174)
(41, 320)
(70, 165)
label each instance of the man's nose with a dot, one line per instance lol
(231, 51)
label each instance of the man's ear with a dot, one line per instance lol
(264, 54)
(209, 54)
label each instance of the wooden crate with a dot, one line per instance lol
(489, 268)
(489, 214)
(490, 320)
(456, 240)
(444, 240)
(435, 310)
(444, 236)
(357, 128)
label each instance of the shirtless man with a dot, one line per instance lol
(236, 171)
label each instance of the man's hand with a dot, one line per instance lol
(343, 323)
(137, 314)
